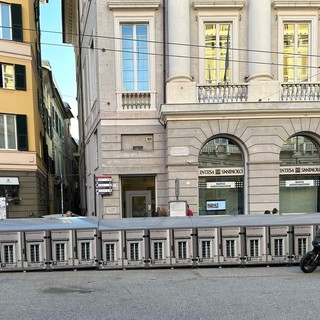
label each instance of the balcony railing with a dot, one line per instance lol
(300, 91)
(222, 93)
(136, 100)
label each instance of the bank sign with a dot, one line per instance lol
(300, 170)
(206, 172)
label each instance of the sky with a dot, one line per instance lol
(60, 56)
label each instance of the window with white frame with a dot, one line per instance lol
(135, 56)
(34, 251)
(134, 251)
(206, 249)
(158, 250)
(12, 76)
(182, 250)
(11, 22)
(297, 43)
(5, 21)
(302, 246)
(60, 251)
(296, 53)
(230, 248)
(278, 247)
(7, 76)
(8, 132)
(85, 251)
(218, 39)
(110, 250)
(8, 253)
(254, 248)
(217, 52)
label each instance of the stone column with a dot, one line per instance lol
(259, 39)
(180, 88)
(179, 33)
(259, 53)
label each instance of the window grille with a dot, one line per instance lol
(254, 248)
(8, 253)
(85, 250)
(110, 252)
(278, 247)
(182, 249)
(60, 252)
(134, 251)
(34, 252)
(158, 250)
(230, 248)
(206, 249)
(302, 246)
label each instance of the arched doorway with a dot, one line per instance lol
(299, 176)
(221, 174)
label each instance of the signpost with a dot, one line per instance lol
(103, 185)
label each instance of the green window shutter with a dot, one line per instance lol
(20, 77)
(22, 132)
(16, 18)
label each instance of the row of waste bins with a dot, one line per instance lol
(38, 244)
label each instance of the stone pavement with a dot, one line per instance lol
(203, 293)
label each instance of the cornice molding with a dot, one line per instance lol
(219, 5)
(307, 4)
(133, 4)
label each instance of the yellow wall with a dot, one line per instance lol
(24, 102)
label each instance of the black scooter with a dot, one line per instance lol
(310, 261)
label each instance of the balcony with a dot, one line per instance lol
(222, 93)
(300, 91)
(135, 101)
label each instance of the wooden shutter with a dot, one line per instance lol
(20, 77)
(22, 132)
(16, 18)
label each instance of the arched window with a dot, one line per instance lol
(299, 150)
(299, 176)
(221, 174)
(220, 152)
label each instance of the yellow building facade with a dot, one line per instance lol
(23, 149)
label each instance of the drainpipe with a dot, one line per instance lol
(164, 28)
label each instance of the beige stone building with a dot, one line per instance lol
(211, 102)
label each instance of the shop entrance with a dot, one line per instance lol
(221, 176)
(138, 196)
(138, 204)
(299, 176)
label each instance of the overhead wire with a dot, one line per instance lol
(103, 49)
(198, 46)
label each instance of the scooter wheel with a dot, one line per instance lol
(307, 264)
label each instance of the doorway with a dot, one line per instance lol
(138, 204)
(138, 196)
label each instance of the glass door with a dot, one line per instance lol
(138, 204)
